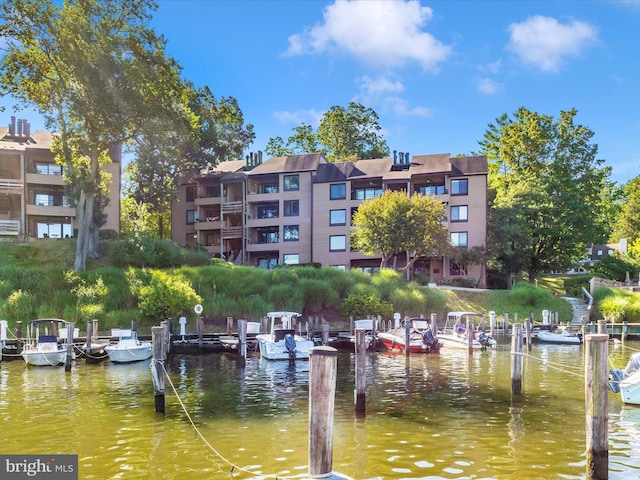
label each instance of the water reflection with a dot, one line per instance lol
(427, 416)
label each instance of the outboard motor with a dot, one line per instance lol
(430, 341)
(290, 343)
(483, 339)
(616, 375)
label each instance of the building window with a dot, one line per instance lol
(291, 233)
(268, 212)
(338, 191)
(434, 189)
(192, 217)
(460, 187)
(49, 169)
(267, 235)
(191, 240)
(454, 268)
(459, 239)
(291, 259)
(191, 193)
(459, 213)
(337, 243)
(291, 208)
(291, 183)
(267, 263)
(338, 217)
(367, 193)
(340, 267)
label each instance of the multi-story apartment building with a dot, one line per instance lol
(32, 196)
(298, 209)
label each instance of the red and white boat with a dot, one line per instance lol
(421, 339)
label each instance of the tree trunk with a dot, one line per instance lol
(161, 226)
(84, 211)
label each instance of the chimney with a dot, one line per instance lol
(395, 157)
(406, 156)
(27, 129)
(259, 157)
(12, 126)
(20, 127)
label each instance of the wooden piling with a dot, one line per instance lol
(602, 327)
(157, 370)
(527, 327)
(325, 333)
(200, 331)
(323, 362)
(69, 357)
(361, 370)
(623, 335)
(506, 323)
(516, 359)
(166, 336)
(229, 325)
(134, 325)
(19, 335)
(242, 341)
(492, 324)
(407, 336)
(87, 345)
(597, 406)
(470, 335)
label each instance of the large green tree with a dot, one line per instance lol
(551, 195)
(395, 223)
(98, 73)
(351, 133)
(628, 221)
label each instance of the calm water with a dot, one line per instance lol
(439, 416)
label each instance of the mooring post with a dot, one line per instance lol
(506, 323)
(323, 362)
(94, 328)
(19, 335)
(3, 335)
(200, 330)
(492, 324)
(516, 359)
(596, 379)
(157, 370)
(407, 336)
(67, 363)
(87, 346)
(623, 335)
(242, 341)
(361, 370)
(166, 336)
(470, 335)
(325, 333)
(527, 330)
(351, 324)
(134, 325)
(602, 327)
(229, 325)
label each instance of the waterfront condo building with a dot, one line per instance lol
(298, 209)
(33, 203)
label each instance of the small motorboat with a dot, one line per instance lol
(454, 334)
(627, 381)
(421, 338)
(128, 348)
(562, 338)
(44, 350)
(282, 342)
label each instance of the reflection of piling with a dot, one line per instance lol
(361, 370)
(157, 372)
(597, 406)
(242, 341)
(516, 359)
(67, 363)
(323, 363)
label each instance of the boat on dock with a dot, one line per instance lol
(562, 338)
(627, 381)
(455, 335)
(128, 347)
(44, 350)
(282, 342)
(421, 338)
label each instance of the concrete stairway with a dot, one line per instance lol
(579, 309)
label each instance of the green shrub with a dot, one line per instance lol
(386, 282)
(615, 267)
(166, 295)
(528, 294)
(317, 295)
(573, 285)
(280, 295)
(20, 306)
(360, 306)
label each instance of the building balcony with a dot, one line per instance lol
(40, 179)
(9, 185)
(51, 211)
(9, 227)
(204, 201)
(212, 223)
(232, 207)
(231, 232)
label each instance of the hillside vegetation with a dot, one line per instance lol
(151, 280)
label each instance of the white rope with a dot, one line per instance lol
(553, 365)
(206, 442)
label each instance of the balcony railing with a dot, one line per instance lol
(8, 185)
(231, 207)
(9, 227)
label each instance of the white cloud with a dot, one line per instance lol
(378, 33)
(381, 92)
(493, 68)
(311, 117)
(489, 87)
(400, 106)
(543, 42)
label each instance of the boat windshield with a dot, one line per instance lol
(634, 364)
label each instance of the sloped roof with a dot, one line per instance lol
(40, 139)
(230, 166)
(291, 163)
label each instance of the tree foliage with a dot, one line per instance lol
(628, 221)
(394, 223)
(544, 177)
(97, 73)
(351, 133)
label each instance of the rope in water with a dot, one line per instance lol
(233, 466)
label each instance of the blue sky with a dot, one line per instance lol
(436, 72)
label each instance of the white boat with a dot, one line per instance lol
(627, 381)
(128, 348)
(44, 350)
(563, 338)
(421, 339)
(454, 334)
(282, 342)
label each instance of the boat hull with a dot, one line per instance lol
(44, 359)
(630, 389)
(452, 340)
(557, 338)
(395, 340)
(277, 350)
(129, 354)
